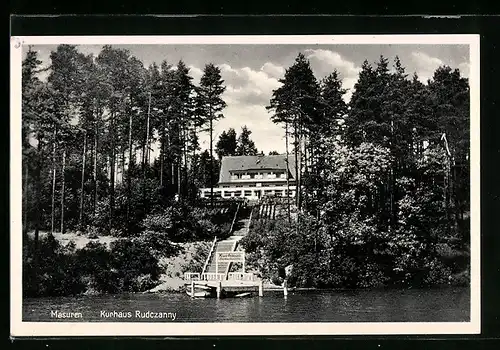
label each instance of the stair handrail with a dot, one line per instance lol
(209, 255)
(250, 218)
(234, 218)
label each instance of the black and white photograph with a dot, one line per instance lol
(245, 185)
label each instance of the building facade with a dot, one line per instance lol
(254, 177)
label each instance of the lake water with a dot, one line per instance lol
(417, 305)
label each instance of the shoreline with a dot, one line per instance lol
(266, 289)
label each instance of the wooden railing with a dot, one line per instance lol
(209, 255)
(250, 218)
(234, 219)
(211, 276)
(241, 276)
(191, 276)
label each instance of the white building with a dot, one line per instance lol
(254, 177)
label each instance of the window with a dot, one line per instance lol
(251, 185)
(248, 193)
(252, 175)
(226, 193)
(237, 193)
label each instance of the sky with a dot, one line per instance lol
(251, 73)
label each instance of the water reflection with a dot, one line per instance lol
(433, 305)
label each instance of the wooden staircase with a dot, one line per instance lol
(221, 267)
(239, 229)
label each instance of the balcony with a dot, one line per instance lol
(258, 177)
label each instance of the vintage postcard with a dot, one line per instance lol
(245, 185)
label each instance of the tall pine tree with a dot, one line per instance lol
(209, 106)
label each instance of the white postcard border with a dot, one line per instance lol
(43, 329)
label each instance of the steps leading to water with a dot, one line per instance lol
(241, 228)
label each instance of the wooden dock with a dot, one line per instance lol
(224, 288)
(229, 288)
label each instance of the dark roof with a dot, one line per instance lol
(261, 162)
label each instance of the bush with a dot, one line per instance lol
(277, 280)
(461, 279)
(437, 273)
(94, 261)
(131, 259)
(61, 270)
(158, 243)
(56, 273)
(145, 282)
(176, 223)
(198, 258)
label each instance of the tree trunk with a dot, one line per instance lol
(145, 154)
(162, 152)
(129, 172)
(112, 173)
(211, 163)
(185, 170)
(304, 171)
(179, 172)
(193, 165)
(147, 130)
(90, 151)
(38, 213)
(52, 217)
(122, 173)
(82, 189)
(178, 157)
(296, 155)
(25, 201)
(63, 187)
(96, 144)
(172, 173)
(287, 174)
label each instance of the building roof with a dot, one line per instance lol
(260, 162)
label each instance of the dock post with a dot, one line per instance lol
(219, 289)
(285, 288)
(192, 289)
(261, 289)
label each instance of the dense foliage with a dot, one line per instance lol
(126, 266)
(384, 180)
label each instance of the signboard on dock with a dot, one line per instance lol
(231, 257)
